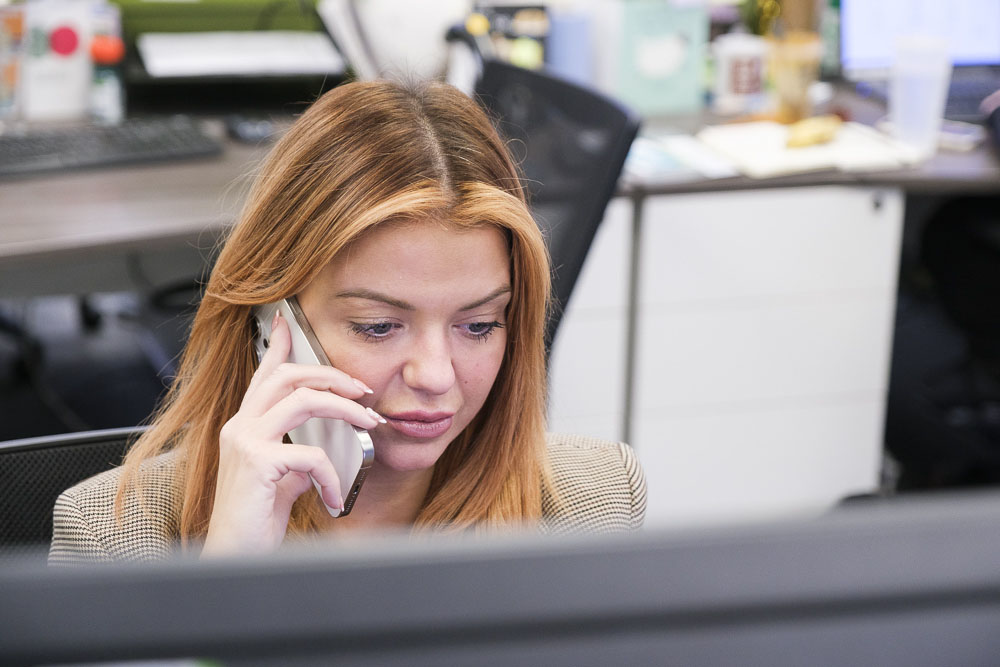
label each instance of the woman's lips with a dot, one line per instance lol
(420, 424)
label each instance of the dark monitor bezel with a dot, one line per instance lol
(913, 582)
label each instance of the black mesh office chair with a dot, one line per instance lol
(571, 143)
(34, 471)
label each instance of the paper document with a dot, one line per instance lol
(250, 53)
(759, 149)
(673, 158)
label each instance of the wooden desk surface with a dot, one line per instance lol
(83, 211)
(976, 171)
(122, 227)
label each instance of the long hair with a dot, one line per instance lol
(362, 155)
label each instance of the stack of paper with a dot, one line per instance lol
(759, 149)
(673, 158)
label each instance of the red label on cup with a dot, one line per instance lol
(64, 40)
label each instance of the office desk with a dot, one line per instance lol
(118, 228)
(948, 173)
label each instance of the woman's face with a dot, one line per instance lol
(416, 311)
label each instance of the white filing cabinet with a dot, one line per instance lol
(763, 344)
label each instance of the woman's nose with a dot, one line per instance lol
(430, 366)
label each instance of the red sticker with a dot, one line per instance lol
(64, 40)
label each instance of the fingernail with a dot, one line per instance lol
(376, 416)
(277, 316)
(340, 504)
(363, 387)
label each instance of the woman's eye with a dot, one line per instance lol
(482, 330)
(373, 330)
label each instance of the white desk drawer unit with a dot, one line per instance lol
(764, 333)
(587, 366)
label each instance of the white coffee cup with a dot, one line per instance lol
(740, 62)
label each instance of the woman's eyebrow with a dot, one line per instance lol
(370, 295)
(498, 292)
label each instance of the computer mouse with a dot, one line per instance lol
(250, 130)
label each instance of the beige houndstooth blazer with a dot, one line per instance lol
(597, 486)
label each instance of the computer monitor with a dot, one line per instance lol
(868, 29)
(910, 583)
(221, 88)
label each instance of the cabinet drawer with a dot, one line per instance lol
(754, 351)
(769, 242)
(587, 368)
(758, 464)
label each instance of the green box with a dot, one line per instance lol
(141, 16)
(662, 57)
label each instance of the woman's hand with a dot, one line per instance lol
(260, 476)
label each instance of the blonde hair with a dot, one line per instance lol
(362, 155)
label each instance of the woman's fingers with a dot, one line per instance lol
(260, 476)
(279, 343)
(258, 481)
(276, 379)
(287, 378)
(291, 458)
(304, 403)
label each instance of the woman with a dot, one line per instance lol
(396, 217)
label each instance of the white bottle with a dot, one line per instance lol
(107, 95)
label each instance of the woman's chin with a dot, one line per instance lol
(408, 457)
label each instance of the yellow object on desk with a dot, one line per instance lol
(813, 131)
(760, 150)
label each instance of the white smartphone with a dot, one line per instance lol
(350, 448)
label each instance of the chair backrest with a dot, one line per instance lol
(571, 143)
(34, 471)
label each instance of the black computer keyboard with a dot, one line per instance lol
(965, 93)
(40, 150)
(968, 87)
